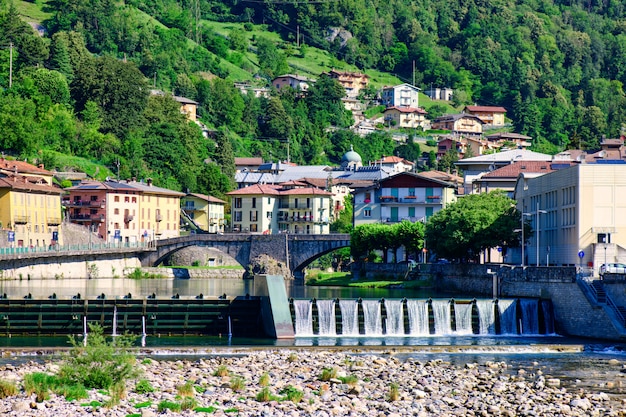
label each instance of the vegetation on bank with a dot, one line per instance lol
(345, 279)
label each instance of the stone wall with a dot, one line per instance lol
(184, 273)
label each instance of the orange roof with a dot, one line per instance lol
(488, 109)
(256, 189)
(28, 184)
(407, 109)
(513, 170)
(22, 167)
(305, 191)
(392, 160)
(208, 198)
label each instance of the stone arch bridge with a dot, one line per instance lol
(295, 250)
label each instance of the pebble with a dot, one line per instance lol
(425, 389)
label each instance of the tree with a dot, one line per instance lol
(223, 155)
(343, 224)
(472, 224)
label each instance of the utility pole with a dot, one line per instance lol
(10, 64)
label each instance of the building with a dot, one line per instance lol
(290, 208)
(403, 95)
(203, 212)
(395, 164)
(406, 117)
(490, 115)
(505, 178)
(476, 167)
(188, 107)
(10, 167)
(436, 93)
(248, 164)
(574, 211)
(459, 124)
(352, 82)
(404, 196)
(30, 210)
(296, 82)
(509, 140)
(125, 211)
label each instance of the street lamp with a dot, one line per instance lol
(538, 212)
(522, 230)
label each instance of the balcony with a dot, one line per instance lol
(54, 221)
(84, 203)
(20, 219)
(388, 199)
(87, 218)
(129, 218)
(159, 218)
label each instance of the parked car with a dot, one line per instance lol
(613, 268)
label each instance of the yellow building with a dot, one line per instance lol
(204, 211)
(30, 211)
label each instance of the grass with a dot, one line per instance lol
(169, 405)
(394, 392)
(328, 374)
(32, 11)
(7, 389)
(237, 383)
(344, 279)
(222, 370)
(186, 389)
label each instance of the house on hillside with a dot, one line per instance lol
(403, 95)
(490, 115)
(509, 140)
(459, 124)
(188, 107)
(296, 82)
(406, 117)
(248, 164)
(395, 163)
(436, 93)
(352, 82)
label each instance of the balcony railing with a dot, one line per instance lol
(84, 203)
(87, 217)
(159, 218)
(129, 218)
(20, 219)
(54, 221)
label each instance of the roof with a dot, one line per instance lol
(393, 160)
(515, 169)
(147, 187)
(28, 184)
(487, 109)
(257, 189)
(249, 161)
(505, 157)
(443, 176)
(507, 135)
(305, 191)
(184, 100)
(295, 77)
(22, 167)
(208, 198)
(455, 117)
(406, 109)
(393, 87)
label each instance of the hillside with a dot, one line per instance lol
(81, 88)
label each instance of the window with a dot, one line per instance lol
(367, 213)
(411, 211)
(116, 211)
(237, 216)
(368, 198)
(253, 216)
(269, 215)
(254, 227)
(308, 203)
(127, 199)
(238, 202)
(412, 192)
(253, 202)
(269, 200)
(134, 199)
(94, 198)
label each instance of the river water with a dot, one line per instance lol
(579, 363)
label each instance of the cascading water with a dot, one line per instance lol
(418, 317)
(114, 332)
(395, 318)
(530, 316)
(304, 317)
(548, 316)
(143, 325)
(441, 313)
(486, 317)
(508, 316)
(349, 317)
(372, 319)
(326, 317)
(85, 330)
(463, 318)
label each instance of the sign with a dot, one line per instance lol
(55, 236)
(11, 236)
(499, 248)
(581, 254)
(117, 234)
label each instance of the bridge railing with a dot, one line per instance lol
(34, 251)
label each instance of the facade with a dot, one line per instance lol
(510, 140)
(204, 211)
(188, 107)
(125, 211)
(271, 209)
(407, 117)
(404, 196)
(572, 210)
(459, 124)
(352, 82)
(505, 178)
(395, 164)
(403, 95)
(297, 82)
(436, 93)
(476, 167)
(13, 167)
(490, 115)
(30, 210)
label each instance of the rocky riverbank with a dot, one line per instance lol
(326, 383)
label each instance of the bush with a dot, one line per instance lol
(237, 383)
(221, 370)
(394, 392)
(292, 394)
(188, 403)
(264, 381)
(7, 389)
(265, 395)
(143, 386)
(102, 364)
(328, 374)
(186, 390)
(40, 384)
(168, 405)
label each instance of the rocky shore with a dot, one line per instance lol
(329, 383)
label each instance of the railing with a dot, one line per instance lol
(87, 217)
(84, 203)
(20, 219)
(54, 220)
(20, 251)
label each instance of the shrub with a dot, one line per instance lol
(265, 395)
(221, 370)
(102, 363)
(210, 409)
(7, 389)
(237, 383)
(144, 404)
(264, 381)
(168, 405)
(143, 386)
(328, 374)
(188, 403)
(394, 392)
(293, 356)
(40, 384)
(186, 390)
(72, 392)
(292, 394)
(350, 380)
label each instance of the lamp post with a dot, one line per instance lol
(538, 212)
(522, 229)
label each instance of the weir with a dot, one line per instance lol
(418, 317)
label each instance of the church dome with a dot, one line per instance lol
(351, 157)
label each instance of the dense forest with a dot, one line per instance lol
(79, 89)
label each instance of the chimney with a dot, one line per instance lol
(40, 166)
(149, 181)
